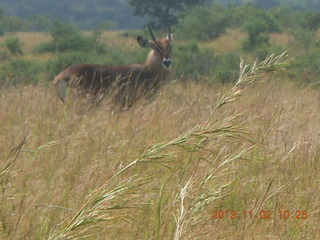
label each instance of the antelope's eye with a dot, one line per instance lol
(158, 49)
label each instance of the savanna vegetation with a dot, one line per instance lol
(236, 131)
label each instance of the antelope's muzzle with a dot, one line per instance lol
(166, 62)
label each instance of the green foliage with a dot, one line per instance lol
(13, 24)
(38, 23)
(259, 22)
(303, 39)
(291, 19)
(14, 45)
(286, 17)
(31, 23)
(306, 67)
(68, 38)
(255, 41)
(226, 68)
(304, 4)
(21, 72)
(103, 26)
(311, 21)
(203, 23)
(191, 61)
(64, 60)
(313, 5)
(253, 19)
(1, 17)
(163, 12)
(266, 3)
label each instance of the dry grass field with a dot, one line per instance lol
(164, 168)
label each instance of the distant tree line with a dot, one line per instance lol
(34, 15)
(166, 12)
(84, 14)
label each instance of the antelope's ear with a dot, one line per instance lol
(171, 36)
(144, 42)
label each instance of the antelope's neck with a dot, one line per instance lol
(153, 64)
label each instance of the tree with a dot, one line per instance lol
(1, 17)
(206, 23)
(257, 23)
(14, 45)
(163, 11)
(38, 23)
(267, 3)
(13, 24)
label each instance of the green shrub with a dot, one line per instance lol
(14, 45)
(291, 19)
(307, 67)
(257, 17)
(64, 60)
(226, 68)
(258, 45)
(257, 23)
(13, 24)
(310, 21)
(4, 55)
(302, 38)
(68, 38)
(191, 61)
(21, 72)
(203, 23)
(38, 23)
(239, 15)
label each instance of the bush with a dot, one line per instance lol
(310, 21)
(302, 38)
(307, 67)
(260, 21)
(191, 61)
(13, 24)
(249, 14)
(255, 42)
(21, 71)
(14, 45)
(291, 19)
(69, 38)
(203, 23)
(63, 61)
(226, 68)
(257, 23)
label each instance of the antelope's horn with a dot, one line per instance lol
(169, 32)
(151, 33)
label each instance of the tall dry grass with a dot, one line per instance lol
(160, 169)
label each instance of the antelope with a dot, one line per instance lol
(130, 79)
